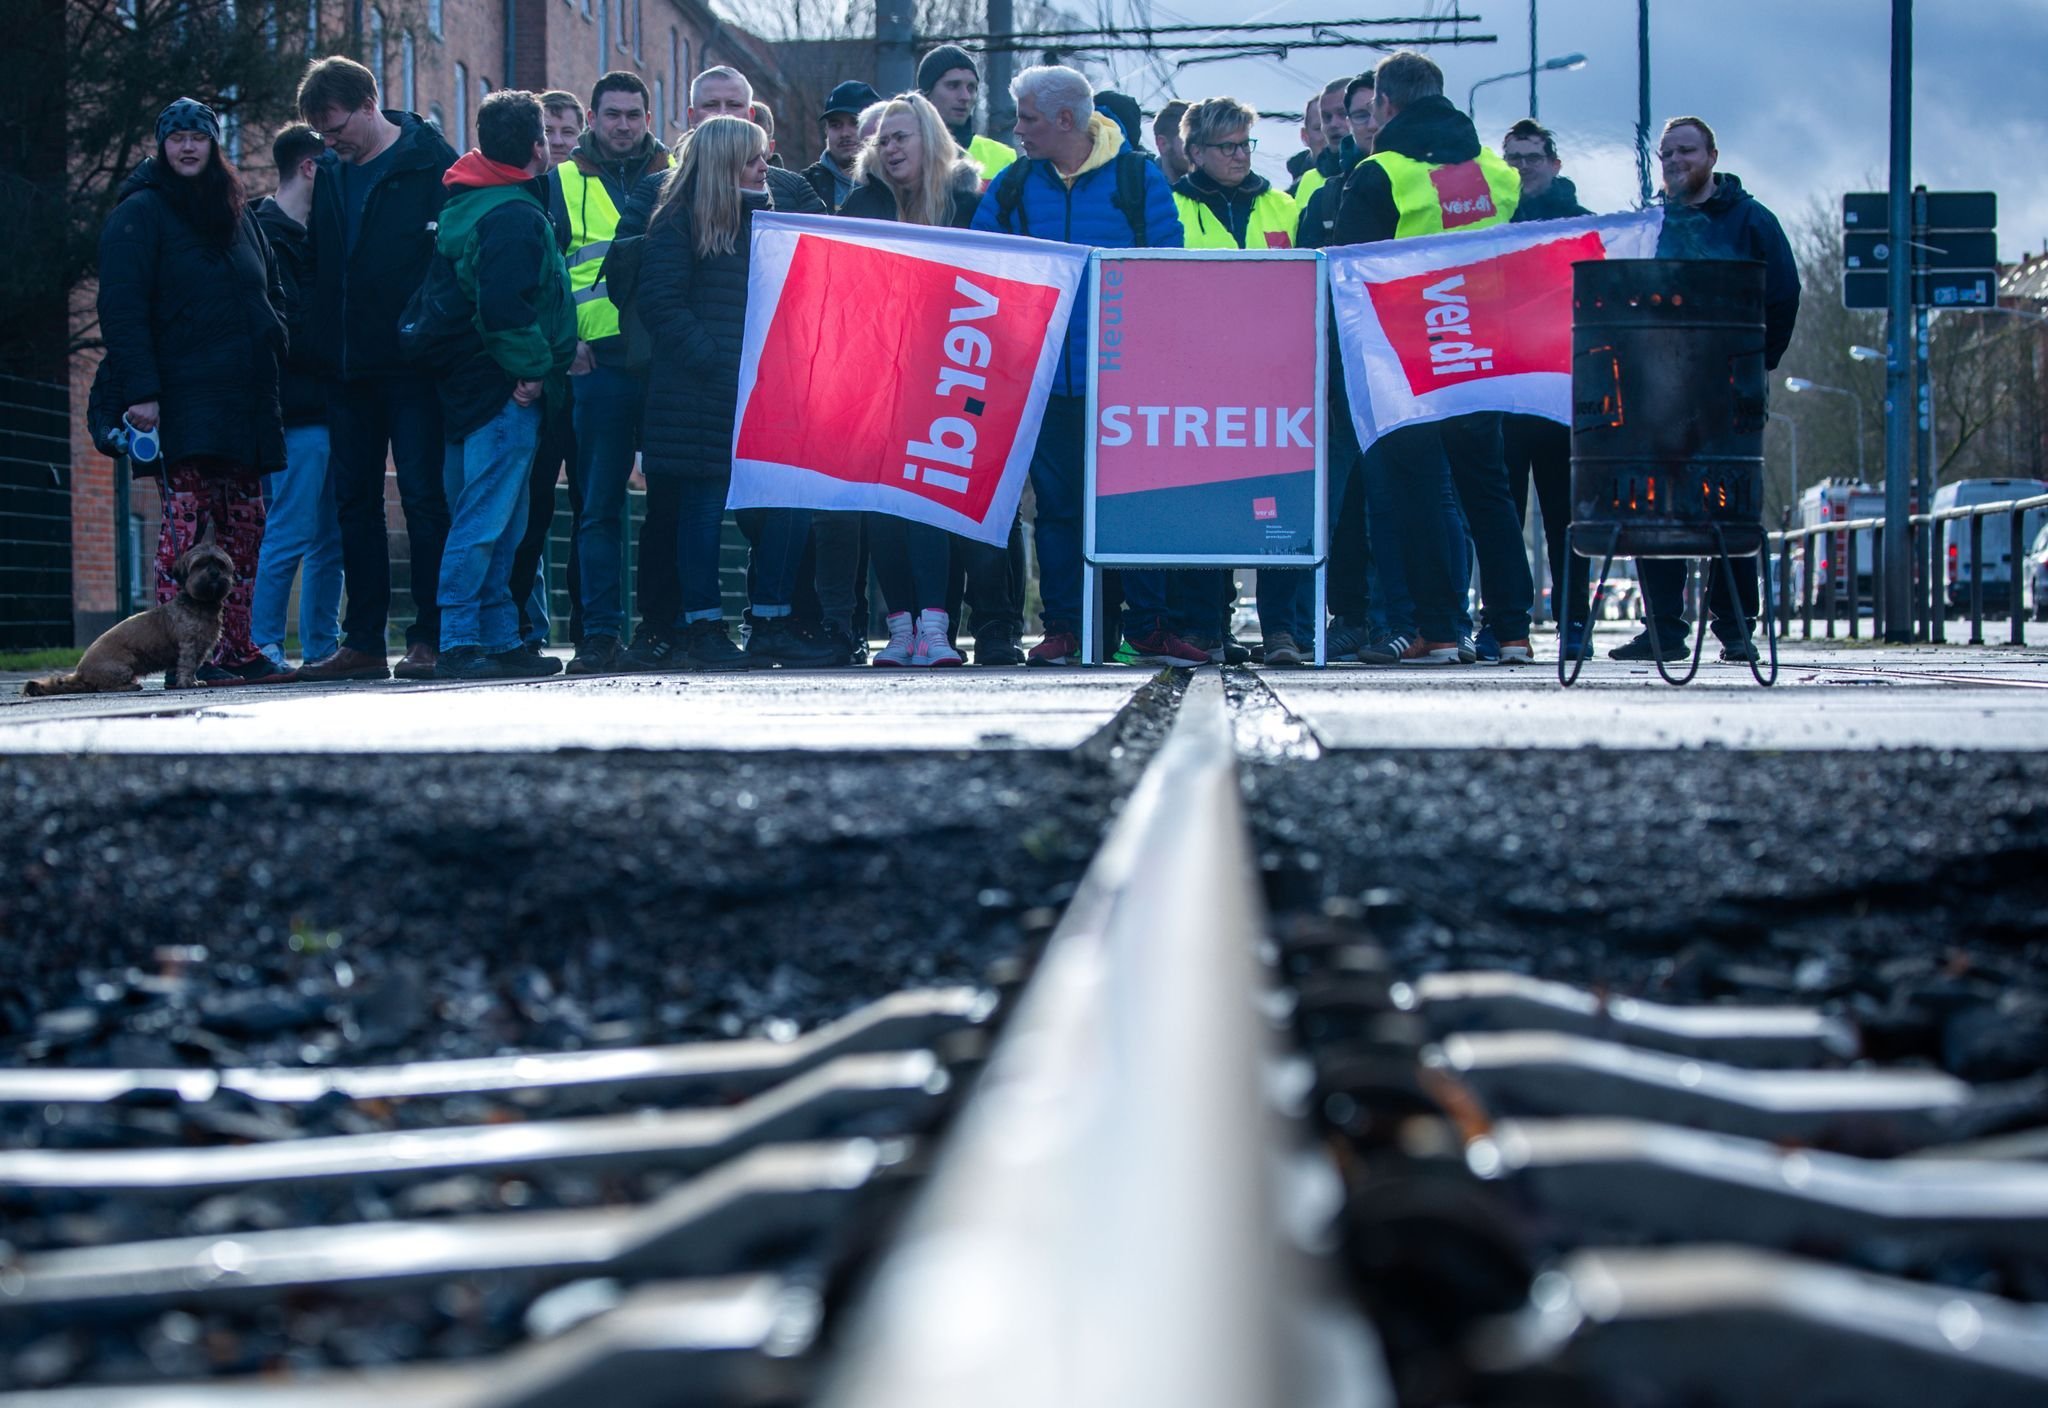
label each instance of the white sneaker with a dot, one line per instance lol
(932, 646)
(897, 652)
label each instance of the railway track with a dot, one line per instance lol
(1210, 1142)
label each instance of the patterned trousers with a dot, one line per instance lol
(233, 503)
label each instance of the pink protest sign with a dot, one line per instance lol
(1204, 402)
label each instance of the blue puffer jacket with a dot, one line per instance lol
(1084, 213)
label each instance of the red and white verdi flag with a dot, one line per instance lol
(1448, 324)
(897, 368)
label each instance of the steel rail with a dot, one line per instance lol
(707, 1227)
(804, 1108)
(1590, 1176)
(1102, 1228)
(1747, 1036)
(739, 1342)
(1729, 1325)
(898, 1022)
(1543, 1073)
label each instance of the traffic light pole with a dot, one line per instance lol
(1898, 561)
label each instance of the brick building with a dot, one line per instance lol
(437, 58)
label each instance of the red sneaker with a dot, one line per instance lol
(1163, 647)
(1058, 648)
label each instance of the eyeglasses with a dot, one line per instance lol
(1234, 148)
(1530, 159)
(328, 134)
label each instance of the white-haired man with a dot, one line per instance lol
(1078, 181)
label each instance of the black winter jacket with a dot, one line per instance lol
(824, 181)
(302, 394)
(1560, 201)
(1430, 130)
(873, 200)
(352, 318)
(1733, 224)
(198, 330)
(695, 310)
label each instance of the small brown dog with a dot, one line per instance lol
(176, 637)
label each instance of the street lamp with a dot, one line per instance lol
(1865, 354)
(1800, 383)
(2009, 312)
(1558, 65)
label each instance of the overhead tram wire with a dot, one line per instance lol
(983, 39)
(1035, 43)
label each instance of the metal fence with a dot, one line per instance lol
(35, 514)
(1841, 593)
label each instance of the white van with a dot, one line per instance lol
(1997, 538)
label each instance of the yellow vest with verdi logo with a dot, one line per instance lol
(990, 155)
(1272, 224)
(593, 220)
(1464, 195)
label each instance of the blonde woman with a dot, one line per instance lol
(913, 171)
(692, 297)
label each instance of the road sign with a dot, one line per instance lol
(1936, 249)
(1954, 249)
(1948, 288)
(1946, 210)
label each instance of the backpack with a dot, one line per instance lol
(1129, 196)
(437, 328)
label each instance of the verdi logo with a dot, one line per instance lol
(1450, 330)
(1508, 315)
(951, 439)
(926, 400)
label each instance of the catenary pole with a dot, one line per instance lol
(1001, 63)
(1898, 482)
(895, 58)
(1534, 62)
(1643, 98)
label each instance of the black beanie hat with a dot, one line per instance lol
(187, 115)
(940, 62)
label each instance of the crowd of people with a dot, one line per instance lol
(569, 297)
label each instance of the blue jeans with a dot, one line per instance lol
(1058, 476)
(403, 414)
(1432, 473)
(608, 408)
(299, 528)
(484, 476)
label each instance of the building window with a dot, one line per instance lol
(639, 38)
(679, 71)
(460, 136)
(409, 70)
(434, 18)
(660, 104)
(375, 40)
(312, 27)
(604, 34)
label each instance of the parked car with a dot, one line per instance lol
(2037, 573)
(1998, 578)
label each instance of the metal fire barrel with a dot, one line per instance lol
(1668, 407)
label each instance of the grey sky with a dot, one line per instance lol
(1797, 90)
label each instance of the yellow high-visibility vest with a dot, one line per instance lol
(593, 220)
(1310, 183)
(1272, 224)
(990, 155)
(1464, 195)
